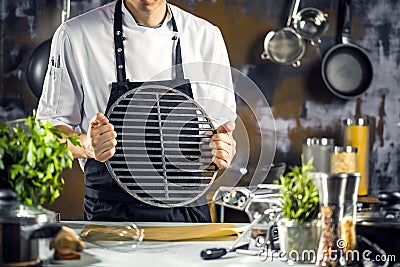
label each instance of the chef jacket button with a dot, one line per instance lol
(119, 50)
(118, 32)
(174, 38)
(120, 66)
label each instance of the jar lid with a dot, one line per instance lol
(356, 121)
(323, 141)
(346, 149)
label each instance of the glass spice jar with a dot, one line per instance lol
(356, 134)
(343, 159)
(319, 150)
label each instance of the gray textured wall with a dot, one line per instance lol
(301, 103)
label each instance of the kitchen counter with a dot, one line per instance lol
(165, 254)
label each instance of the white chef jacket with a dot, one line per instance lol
(82, 64)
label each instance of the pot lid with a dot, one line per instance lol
(11, 211)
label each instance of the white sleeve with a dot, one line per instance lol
(227, 95)
(62, 96)
(220, 101)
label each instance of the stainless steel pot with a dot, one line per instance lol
(21, 227)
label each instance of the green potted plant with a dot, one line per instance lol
(32, 158)
(299, 229)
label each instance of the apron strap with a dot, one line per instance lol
(119, 43)
(119, 46)
(178, 55)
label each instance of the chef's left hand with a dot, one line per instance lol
(223, 145)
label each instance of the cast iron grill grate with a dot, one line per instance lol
(162, 156)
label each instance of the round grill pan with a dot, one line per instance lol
(162, 156)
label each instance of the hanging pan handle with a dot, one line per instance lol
(293, 11)
(66, 11)
(347, 21)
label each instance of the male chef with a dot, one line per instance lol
(122, 45)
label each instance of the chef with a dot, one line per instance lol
(98, 56)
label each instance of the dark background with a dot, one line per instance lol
(301, 104)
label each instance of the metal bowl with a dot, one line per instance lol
(311, 23)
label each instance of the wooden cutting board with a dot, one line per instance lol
(203, 232)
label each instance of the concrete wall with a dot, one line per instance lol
(301, 103)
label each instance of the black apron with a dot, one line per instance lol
(105, 200)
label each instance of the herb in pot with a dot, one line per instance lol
(32, 158)
(300, 194)
(300, 228)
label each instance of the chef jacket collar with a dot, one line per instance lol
(130, 21)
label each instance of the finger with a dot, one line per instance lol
(221, 164)
(227, 127)
(105, 146)
(105, 137)
(222, 154)
(219, 145)
(101, 129)
(99, 119)
(207, 135)
(102, 135)
(223, 137)
(210, 133)
(106, 155)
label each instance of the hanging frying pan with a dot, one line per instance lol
(37, 65)
(346, 68)
(311, 23)
(162, 156)
(285, 46)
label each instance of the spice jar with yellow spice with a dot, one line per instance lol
(356, 134)
(343, 159)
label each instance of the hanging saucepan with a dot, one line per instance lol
(37, 65)
(285, 46)
(311, 24)
(346, 68)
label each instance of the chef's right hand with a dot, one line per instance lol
(100, 139)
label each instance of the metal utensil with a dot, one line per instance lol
(264, 221)
(285, 46)
(311, 23)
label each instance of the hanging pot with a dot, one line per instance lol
(311, 23)
(346, 68)
(37, 65)
(285, 46)
(21, 227)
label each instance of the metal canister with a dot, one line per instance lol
(343, 159)
(356, 134)
(320, 150)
